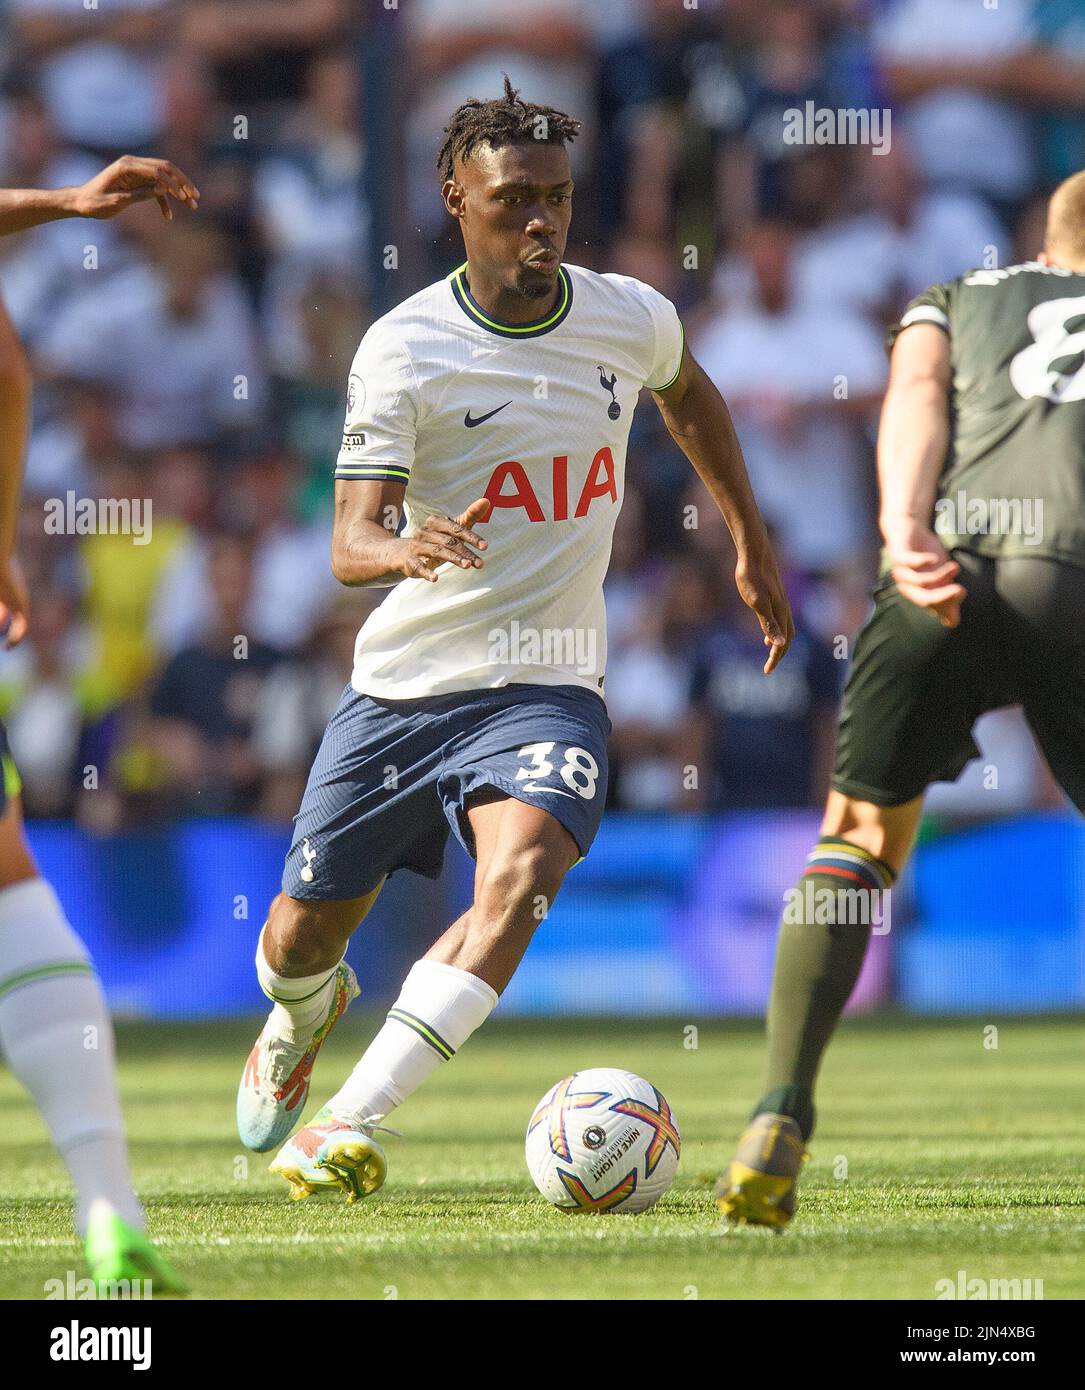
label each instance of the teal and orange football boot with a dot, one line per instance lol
(275, 1082)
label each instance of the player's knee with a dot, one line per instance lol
(519, 884)
(884, 831)
(309, 933)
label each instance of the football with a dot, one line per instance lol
(603, 1140)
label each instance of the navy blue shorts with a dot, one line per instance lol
(392, 776)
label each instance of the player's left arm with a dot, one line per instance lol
(130, 179)
(700, 424)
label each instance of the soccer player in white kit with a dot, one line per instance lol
(55, 1030)
(492, 410)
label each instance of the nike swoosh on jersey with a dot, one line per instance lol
(481, 419)
(554, 791)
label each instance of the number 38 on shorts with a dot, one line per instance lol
(576, 768)
(357, 824)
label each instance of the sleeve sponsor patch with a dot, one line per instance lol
(924, 313)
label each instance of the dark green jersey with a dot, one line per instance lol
(1014, 476)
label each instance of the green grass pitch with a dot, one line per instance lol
(934, 1154)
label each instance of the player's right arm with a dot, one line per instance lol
(372, 471)
(912, 441)
(366, 550)
(14, 424)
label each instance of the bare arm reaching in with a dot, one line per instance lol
(126, 181)
(130, 179)
(14, 422)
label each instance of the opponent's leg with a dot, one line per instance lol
(523, 854)
(913, 693)
(300, 967)
(57, 1036)
(1043, 602)
(824, 933)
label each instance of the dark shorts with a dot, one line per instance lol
(916, 688)
(392, 776)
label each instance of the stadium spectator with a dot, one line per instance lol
(75, 438)
(98, 68)
(761, 742)
(290, 581)
(122, 564)
(46, 268)
(945, 65)
(904, 237)
(1060, 33)
(800, 382)
(307, 191)
(42, 707)
(175, 340)
(786, 66)
(308, 205)
(207, 702)
(635, 574)
(299, 698)
(648, 683)
(259, 50)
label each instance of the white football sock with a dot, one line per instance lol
(301, 1001)
(58, 1039)
(438, 1009)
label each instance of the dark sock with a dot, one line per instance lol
(795, 1101)
(823, 939)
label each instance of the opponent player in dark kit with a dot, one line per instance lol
(981, 462)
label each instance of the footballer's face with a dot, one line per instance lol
(513, 205)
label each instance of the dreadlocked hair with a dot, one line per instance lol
(507, 120)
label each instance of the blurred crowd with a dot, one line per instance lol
(201, 364)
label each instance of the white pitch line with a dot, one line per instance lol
(360, 1238)
(559, 1240)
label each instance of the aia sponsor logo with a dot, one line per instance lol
(510, 487)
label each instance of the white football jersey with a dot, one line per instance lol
(533, 417)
